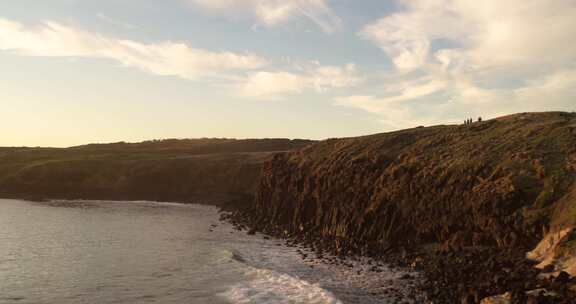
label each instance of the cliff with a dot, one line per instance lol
(501, 184)
(203, 170)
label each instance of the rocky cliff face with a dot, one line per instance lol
(501, 183)
(464, 204)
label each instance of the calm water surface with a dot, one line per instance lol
(144, 252)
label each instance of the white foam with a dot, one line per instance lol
(271, 287)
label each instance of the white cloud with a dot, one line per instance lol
(476, 58)
(52, 39)
(105, 18)
(392, 114)
(273, 85)
(556, 90)
(437, 102)
(487, 34)
(275, 12)
(247, 74)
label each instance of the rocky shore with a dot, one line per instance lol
(467, 275)
(463, 204)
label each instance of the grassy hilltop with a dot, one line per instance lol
(196, 170)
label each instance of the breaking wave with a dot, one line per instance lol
(272, 287)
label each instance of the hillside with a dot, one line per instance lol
(492, 187)
(196, 170)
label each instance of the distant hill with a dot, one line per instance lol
(190, 170)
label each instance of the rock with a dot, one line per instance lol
(500, 299)
(548, 269)
(469, 201)
(468, 299)
(518, 297)
(563, 277)
(541, 293)
(416, 263)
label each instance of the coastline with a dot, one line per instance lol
(467, 275)
(398, 283)
(465, 204)
(462, 204)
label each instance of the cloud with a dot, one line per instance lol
(275, 12)
(105, 18)
(52, 39)
(274, 85)
(392, 114)
(247, 75)
(454, 58)
(437, 102)
(486, 35)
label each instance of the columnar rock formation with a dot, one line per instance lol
(503, 182)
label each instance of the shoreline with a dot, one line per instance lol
(395, 291)
(465, 275)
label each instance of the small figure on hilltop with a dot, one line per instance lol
(470, 121)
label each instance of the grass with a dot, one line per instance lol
(170, 169)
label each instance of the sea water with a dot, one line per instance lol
(145, 252)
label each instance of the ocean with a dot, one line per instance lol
(146, 252)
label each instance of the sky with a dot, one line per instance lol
(86, 71)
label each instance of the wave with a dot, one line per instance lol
(272, 287)
(228, 256)
(126, 202)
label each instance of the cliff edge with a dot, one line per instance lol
(501, 185)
